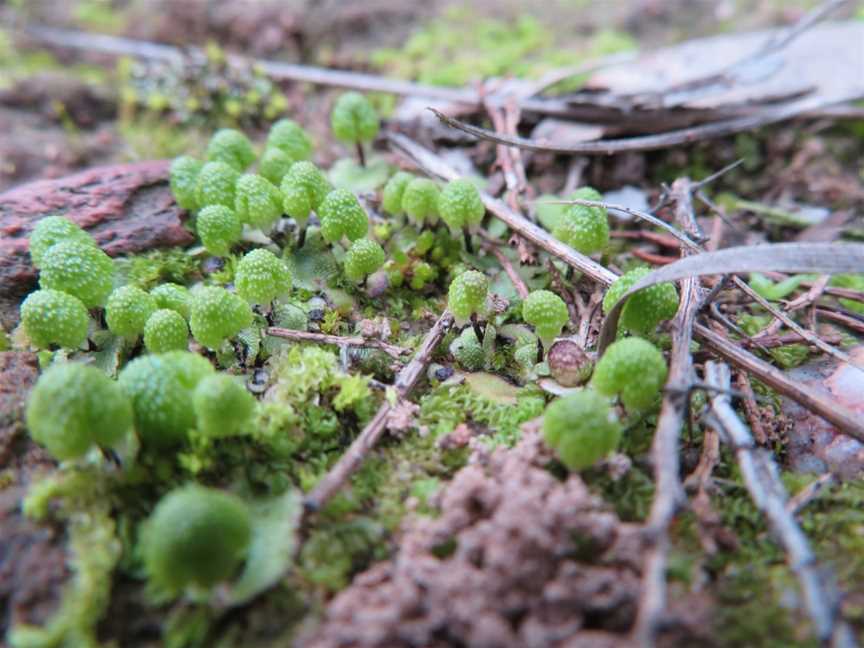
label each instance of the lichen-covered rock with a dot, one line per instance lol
(128, 310)
(80, 269)
(218, 228)
(261, 276)
(216, 315)
(54, 317)
(52, 230)
(632, 369)
(341, 215)
(166, 330)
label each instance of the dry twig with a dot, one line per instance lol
(810, 492)
(338, 340)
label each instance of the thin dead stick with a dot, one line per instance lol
(842, 417)
(762, 480)
(751, 408)
(338, 340)
(669, 139)
(841, 318)
(700, 478)
(557, 282)
(352, 459)
(515, 279)
(810, 492)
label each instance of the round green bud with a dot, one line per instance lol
(184, 177)
(275, 164)
(341, 215)
(128, 310)
(590, 193)
(288, 137)
(161, 387)
(215, 185)
(303, 188)
(218, 228)
(166, 330)
(231, 147)
(74, 407)
(216, 315)
(583, 229)
(354, 119)
(647, 308)
(547, 313)
(363, 258)
(468, 351)
(467, 294)
(80, 269)
(195, 536)
(257, 201)
(634, 370)
(420, 201)
(394, 190)
(172, 296)
(52, 230)
(222, 405)
(261, 276)
(460, 205)
(54, 317)
(581, 428)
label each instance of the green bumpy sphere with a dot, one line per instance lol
(261, 277)
(183, 178)
(468, 351)
(231, 147)
(547, 313)
(467, 294)
(590, 193)
(172, 296)
(74, 407)
(341, 215)
(54, 317)
(275, 164)
(394, 190)
(354, 119)
(257, 201)
(79, 269)
(166, 330)
(460, 205)
(647, 308)
(290, 138)
(216, 315)
(222, 405)
(363, 258)
(583, 229)
(215, 185)
(161, 387)
(128, 310)
(581, 428)
(634, 370)
(420, 201)
(218, 228)
(195, 536)
(304, 188)
(52, 230)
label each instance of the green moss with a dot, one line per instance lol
(174, 265)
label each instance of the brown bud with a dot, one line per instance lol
(569, 364)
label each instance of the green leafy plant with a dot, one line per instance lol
(364, 257)
(257, 201)
(584, 228)
(547, 313)
(80, 269)
(420, 201)
(216, 315)
(582, 428)
(261, 277)
(52, 230)
(215, 185)
(461, 207)
(647, 308)
(222, 406)
(632, 369)
(218, 228)
(466, 298)
(231, 147)
(183, 177)
(303, 188)
(341, 215)
(54, 317)
(275, 164)
(354, 121)
(172, 296)
(468, 351)
(394, 190)
(166, 330)
(128, 310)
(289, 137)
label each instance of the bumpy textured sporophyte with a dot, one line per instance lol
(80, 269)
(584, 228)
(420, 201)
(394, 190)
(353, 119)
(172, 296)
(75, 407)
(290, 138)
(275, 164)
(183, 178)
(467, 295)
(52, 230)
(218, 228)
(195, 536)
(261, 276)
(231, 147)
(303, 188)
(160, 387)
(222, 405)
(632, 369)
(216, 315)
(54, 317)
(257, 201)
(460, 205)
(645, 309)
(363, 258)
(468, 351)
(547, 313)
(166, 330)
(581, 428)
(341, 215)
(128, 310)
(215, 185)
